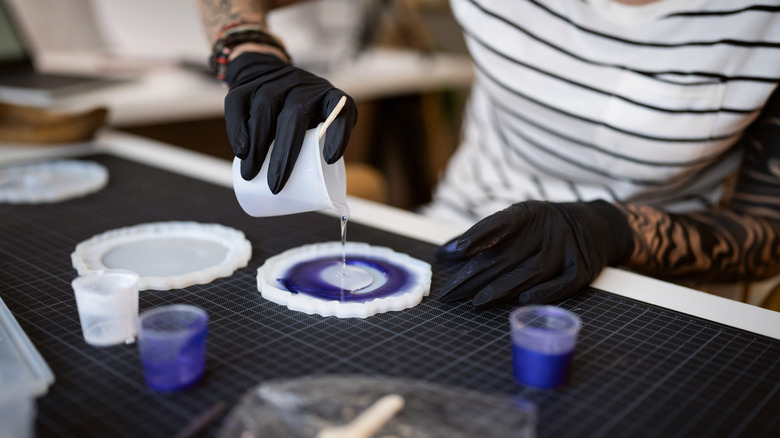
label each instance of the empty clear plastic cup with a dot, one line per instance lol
(313, 184)
(172, 344)
(107, 301)
(543, 342)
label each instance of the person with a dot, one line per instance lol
(636, 133)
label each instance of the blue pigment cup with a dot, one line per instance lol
(172, 343)
(543, 341)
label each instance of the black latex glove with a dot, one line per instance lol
(536, 252)
(270, 99)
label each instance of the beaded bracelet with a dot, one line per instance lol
(235, 34)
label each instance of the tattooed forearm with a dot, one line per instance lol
(218, 13)
(707, 246)
(738, 242)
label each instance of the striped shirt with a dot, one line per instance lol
(576, 100)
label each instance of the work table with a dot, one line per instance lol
(654, 359)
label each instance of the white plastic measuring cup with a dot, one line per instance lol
(313, 184)
(107, 302)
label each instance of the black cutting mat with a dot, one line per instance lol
(639, 370)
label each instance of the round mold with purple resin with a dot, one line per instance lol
(294, 278)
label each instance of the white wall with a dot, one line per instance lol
(169, 29)
(58, 25)
(316, 32)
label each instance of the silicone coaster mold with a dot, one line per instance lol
(50, 181)
(166, 255)
(401, 281)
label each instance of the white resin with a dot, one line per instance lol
(108, 306)
(275, 267)
(348, 277)
(50, 181)
(166, 255)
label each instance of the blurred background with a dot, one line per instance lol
(403, 61)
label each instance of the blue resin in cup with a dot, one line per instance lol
(543, 341)
(172, 343)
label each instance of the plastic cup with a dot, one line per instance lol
(543, 342)
(313, 185)
(107, 301)
(172, 343)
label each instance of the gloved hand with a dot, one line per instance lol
(270, 99)
(536, 252)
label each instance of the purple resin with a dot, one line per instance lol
(539, 369)
(167, 365)
(180, 373)
(304, 278)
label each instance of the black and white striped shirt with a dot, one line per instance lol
(592, 99)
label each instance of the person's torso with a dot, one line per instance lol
(586, 99)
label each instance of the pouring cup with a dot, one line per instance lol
(313, 184)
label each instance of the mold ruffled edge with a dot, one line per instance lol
(88, 254)
(311, 305)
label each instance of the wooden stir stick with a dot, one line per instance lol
(332, 116)
(368, 422)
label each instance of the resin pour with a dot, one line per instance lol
(311, 279)
(336, 278)
(348, 277)
(325, 278)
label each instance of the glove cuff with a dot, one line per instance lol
(250, 65)
(614, 228)
(239, 33)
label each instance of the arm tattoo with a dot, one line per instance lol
(738, 242)
(708, 246)
(218, 13)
